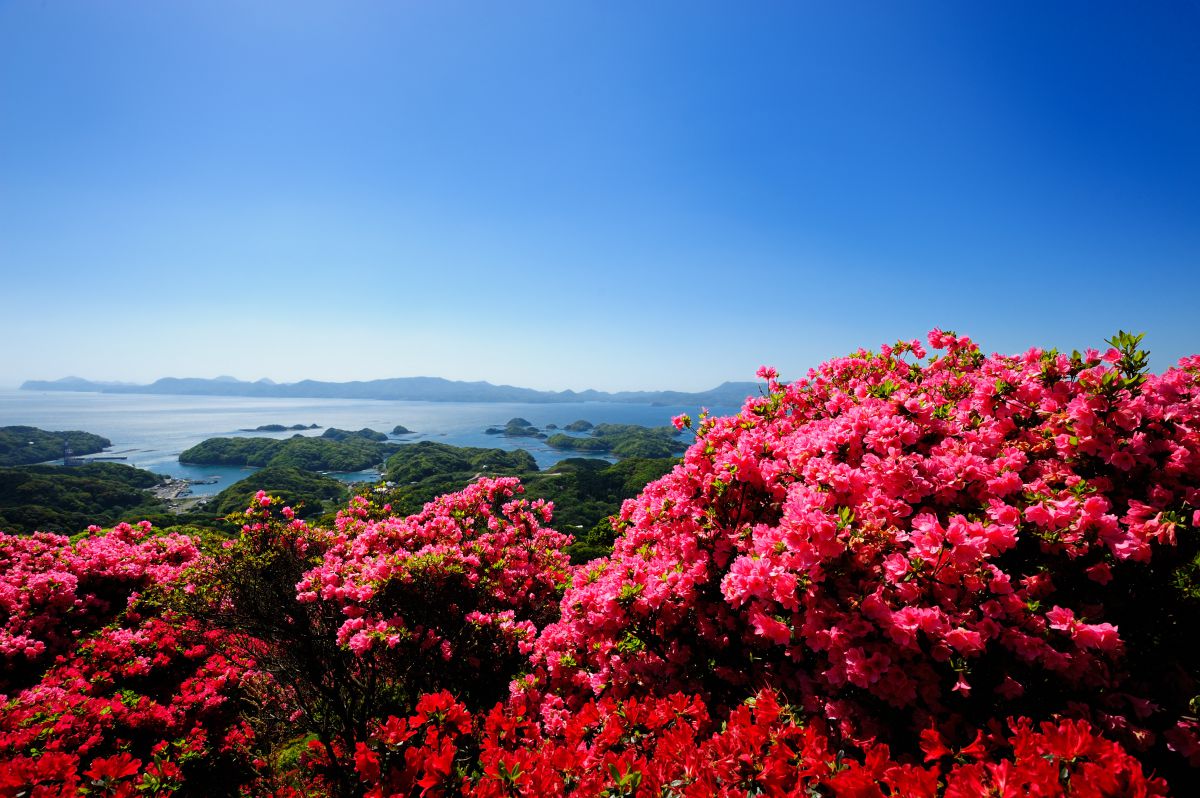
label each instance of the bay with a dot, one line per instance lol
(150, 431)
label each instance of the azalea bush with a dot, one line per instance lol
(452, 596)
(902, 542)
(358, 621)
(109, 692)
(918, 571)
(54, 592)
(153, 709)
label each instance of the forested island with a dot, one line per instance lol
(585, 491)
(516, 428)
(621, 440)
(366, 433)
(23, 445)
(336, 450)
(618, 440)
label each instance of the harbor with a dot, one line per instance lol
(176, 489)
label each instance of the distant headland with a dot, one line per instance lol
(421, 389)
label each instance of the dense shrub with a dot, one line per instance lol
(453, 595)
(106, 692)
(899, 544)
(53, 592)
(152, 707)
(356, 622)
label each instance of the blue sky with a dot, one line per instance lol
(610, 195)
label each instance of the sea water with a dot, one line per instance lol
(150, 431)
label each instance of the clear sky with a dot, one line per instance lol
(567, 194)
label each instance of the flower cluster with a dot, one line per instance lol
(455, 592)
(108, 694)
(157, 694)
(418, 752)
(671, 746)
(53, 592)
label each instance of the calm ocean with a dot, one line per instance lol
(150, 431)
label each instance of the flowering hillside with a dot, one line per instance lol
(910, 573)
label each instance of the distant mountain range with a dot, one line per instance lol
(427, 389)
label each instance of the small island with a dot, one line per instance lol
(280, 428)
(516, 428)
(400, 429)
(365, 433)
(578, 426)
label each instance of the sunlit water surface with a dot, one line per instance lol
(150, 431)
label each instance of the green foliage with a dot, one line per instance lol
(425, 459)
(333, 433)
(1134, 362)
(24, 445)
(294, 486)
(563, 441)
(320, 454)
(585, 491)
(67, 499)
(354, 452)
(232, 451)
(648, 447)
(622, 440)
